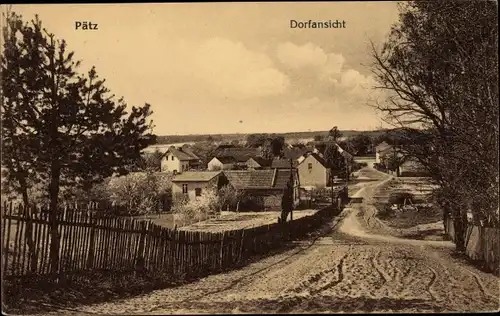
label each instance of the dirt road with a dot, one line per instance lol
(356, 267)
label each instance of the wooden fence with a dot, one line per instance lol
(482, 244)
(90, 243)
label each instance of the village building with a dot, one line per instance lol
(382, 150)
(222, 163)
(193, 183)
(411, 167)
(254, 163)
(179, 159)
(313, 171)
(263, 189)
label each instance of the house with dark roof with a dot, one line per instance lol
(263, 189)
(222, 163)
(313, 171)
(283, 163)
(193, 183)
(179, 159)
(241, 154)
(258, 163)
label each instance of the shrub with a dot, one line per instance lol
(139, 193)
(399, 198)
(198, 209)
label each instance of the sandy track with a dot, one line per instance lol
(349, 269)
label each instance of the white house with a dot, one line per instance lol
(313, 171)
(222, 163)
(193, 183)
(381, 150)
(179, 160)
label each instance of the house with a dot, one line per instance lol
(313, 172)
(264, 189)
(193, 183)
(241, 154)
(222, 163)
(381, 150)
(258, 163)
(179, 159)
(411, 167)
(283, 163)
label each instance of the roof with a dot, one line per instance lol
(261, 161)
(294, 153)
(195, 176)
(189, 151)
(317, 157)
(273, 179)
(241, 154)
(181, 153)
(283, 163)
(383, 146)
(226, 159)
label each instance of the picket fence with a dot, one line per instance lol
(90, 243)
(482, 244)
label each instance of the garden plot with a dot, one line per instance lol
(234, 221)
(420, 188)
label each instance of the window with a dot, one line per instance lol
(197, 191)
(172, 157)
(310, 166)
(185, 188)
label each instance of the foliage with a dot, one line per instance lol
(359, 145)
(200, 208)
(151, 161)
(334, 159)
(272, 147)
(139, 192)
(318, 138)
(334, 134)
(57, 124)
(229, 197)
(441, 73)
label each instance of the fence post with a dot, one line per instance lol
(90, 258)
(140, 255)
(222, 250)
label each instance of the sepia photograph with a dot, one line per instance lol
(250, 158)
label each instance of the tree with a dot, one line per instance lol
(360, 144)
(61, 128)
(229, 197)
(441, 75)
(334, 159)
(255, 140)
(272, 147)
(151, 161)
(318, 138)
(334, 134)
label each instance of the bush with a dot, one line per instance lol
(399, 198)
(198, 209)
(139, 193)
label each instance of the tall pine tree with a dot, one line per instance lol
(60, 127)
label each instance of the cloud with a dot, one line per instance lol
(296, 57)
(229, 69)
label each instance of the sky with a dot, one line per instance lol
(231, 67)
